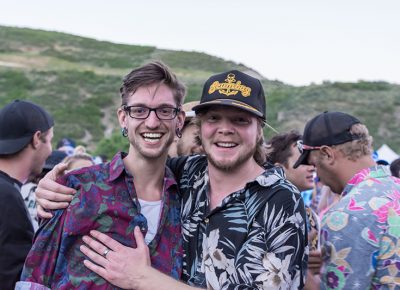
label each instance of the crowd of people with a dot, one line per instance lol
(197, 202)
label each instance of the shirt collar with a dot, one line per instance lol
(270, 176)
(117, 165)
(377, 171)
(16, 182)
(117, 168)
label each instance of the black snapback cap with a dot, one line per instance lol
(328, 128)
(19, 121)
(235, 89)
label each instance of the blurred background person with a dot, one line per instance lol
(67, 145)
(26, 131)
(282, 150)
(187, 144)
(78, 159)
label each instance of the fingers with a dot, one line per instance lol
(110, 243)
(140, 243)
(51, 190)
(57, 171)
(94, 252)
(42, 213)
(95, 268)
(51, 205)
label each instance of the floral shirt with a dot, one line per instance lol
(256, 239)
(106, 200)
(360, 234)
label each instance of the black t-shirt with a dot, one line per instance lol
(16, 231)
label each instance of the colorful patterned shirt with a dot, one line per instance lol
(106, 201)
(360, 234)
(256, 239)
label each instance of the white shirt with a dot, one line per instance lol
(151, 210)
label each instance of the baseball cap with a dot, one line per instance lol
(235, 89)
(19, 121)
(328, 128)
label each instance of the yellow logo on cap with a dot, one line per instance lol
(231, 87)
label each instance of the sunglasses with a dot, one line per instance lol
(301, 147)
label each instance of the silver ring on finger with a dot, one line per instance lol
(106, 252)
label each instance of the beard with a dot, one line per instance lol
(156, 153)
(228, 166)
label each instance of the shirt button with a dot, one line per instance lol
(206, 220)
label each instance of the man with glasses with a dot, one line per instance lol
(133, 190)
(243, 226)
(360, 236)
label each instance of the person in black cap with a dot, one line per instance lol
(26, 131)
(243, 226)
(359, 234)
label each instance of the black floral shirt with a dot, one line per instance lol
(256, 238)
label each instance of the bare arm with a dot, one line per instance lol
(51, 195)
(126, 267)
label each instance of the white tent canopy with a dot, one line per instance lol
(386, 153)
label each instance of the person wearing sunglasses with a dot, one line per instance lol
(360, 234)
(134, 190)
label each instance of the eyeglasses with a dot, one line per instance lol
(142, 112)
(301, 147)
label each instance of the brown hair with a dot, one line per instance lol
(279, 147)
(149, 74)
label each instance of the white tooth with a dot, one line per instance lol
(152, 135)
(226, 145)
(151, 140)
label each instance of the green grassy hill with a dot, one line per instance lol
(77, 79)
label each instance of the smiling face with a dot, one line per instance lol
(302, 176)
(150, 138)
(229, 136)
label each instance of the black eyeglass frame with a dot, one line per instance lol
(174, 112)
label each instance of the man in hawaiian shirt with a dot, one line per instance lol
(133, 190)
(243, 226)
(360, 234)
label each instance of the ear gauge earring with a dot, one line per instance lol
(178, 132)
(124, 132)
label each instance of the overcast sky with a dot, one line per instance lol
(297, 42)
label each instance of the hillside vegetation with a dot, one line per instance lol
(77, 79)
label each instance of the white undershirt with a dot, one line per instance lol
(151, 211)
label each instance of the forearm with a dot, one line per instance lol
(154, 279)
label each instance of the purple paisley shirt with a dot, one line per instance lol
(106, 200)
(360, 235)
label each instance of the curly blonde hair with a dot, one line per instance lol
(360, 147)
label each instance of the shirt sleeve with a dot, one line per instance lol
(176, 165)
(41, 262)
